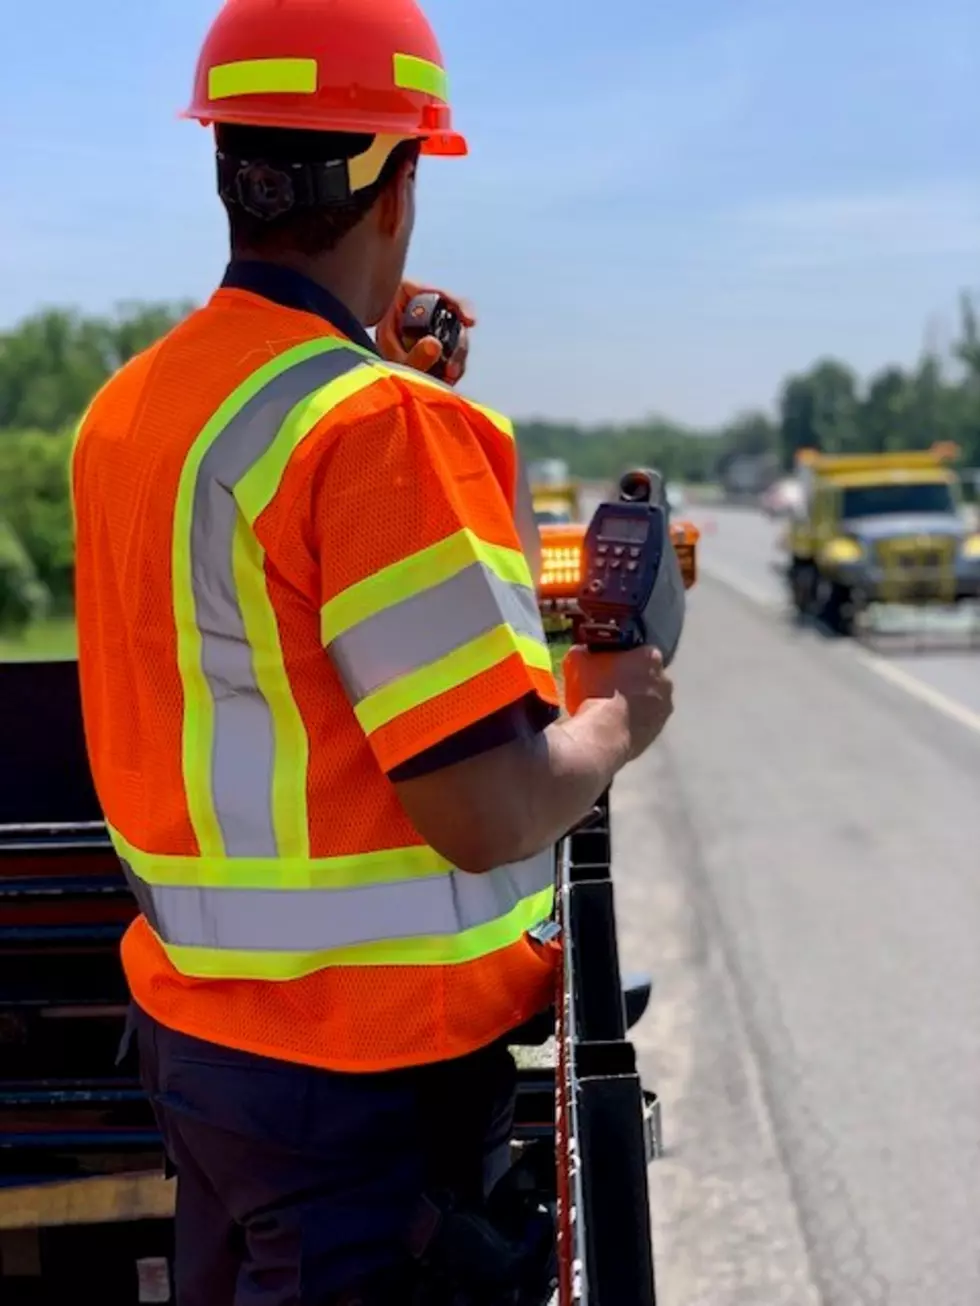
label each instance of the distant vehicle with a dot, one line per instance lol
(554, 492)
(746, 476)
(783, 498)
(547, 472)
(880, 528)
(676, 498)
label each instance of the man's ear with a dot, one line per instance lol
(395, 201)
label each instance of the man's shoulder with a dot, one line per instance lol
(123, 388)
(425, 396)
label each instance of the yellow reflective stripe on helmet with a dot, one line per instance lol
(465, 663)
(414, 74)
(418, 572)
(386, 866)
(262, 77)
(198, 719)
(437, 950)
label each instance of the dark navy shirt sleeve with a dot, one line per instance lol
(521, 720)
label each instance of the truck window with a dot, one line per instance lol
(875, 500)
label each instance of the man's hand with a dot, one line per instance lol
(425, 353)
(637, 678)
(511, 802)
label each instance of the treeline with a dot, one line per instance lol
(827, 407)
(52, 363)
(50, 367)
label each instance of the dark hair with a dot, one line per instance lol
(306, 229)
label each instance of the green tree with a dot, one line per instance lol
(750, 435)
(885, 413)
(35, 504)
(23, 598)
(819, 410)
(967, 394)
(52, 363)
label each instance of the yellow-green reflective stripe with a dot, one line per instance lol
(198, 722)
(463, 664)
(421, 629)
(257, 488)
(73, 450)
(480, 941)
(421, 571)
(253, 493)
(262, 77)
(388, 866)
(503, 424)
(414, 74)
(291, 749)
(244, 761)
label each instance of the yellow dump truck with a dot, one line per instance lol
(554, 493)
(880, 528)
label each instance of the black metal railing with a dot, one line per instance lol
(608, 1127)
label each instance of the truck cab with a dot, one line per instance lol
(554, 494)
(881, 528)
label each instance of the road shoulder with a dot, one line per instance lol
(726, 1231)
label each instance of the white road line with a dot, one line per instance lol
(736, 581)
(919, 689)
(904, 680)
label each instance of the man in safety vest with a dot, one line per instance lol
(318, 701)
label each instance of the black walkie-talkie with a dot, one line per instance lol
(429, 314)
(633, 587)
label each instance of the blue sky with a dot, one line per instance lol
(667, 206)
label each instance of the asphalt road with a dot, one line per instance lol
(798, 864)
(740, 546)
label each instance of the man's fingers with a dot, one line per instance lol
(425, 354)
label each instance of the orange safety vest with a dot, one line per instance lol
(297, 567)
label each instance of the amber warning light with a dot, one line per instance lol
(561, 561)
(561, 558)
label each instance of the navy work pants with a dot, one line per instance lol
(295, 1185)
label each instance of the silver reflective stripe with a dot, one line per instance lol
(430, 625)
(243, 758)
(318, 920)
(143, 893)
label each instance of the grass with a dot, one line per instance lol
(558, 649)
(47, 641)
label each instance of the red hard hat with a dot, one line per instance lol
(370, 67)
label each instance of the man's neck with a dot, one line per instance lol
(333, 272)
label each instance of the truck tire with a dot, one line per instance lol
(836, 608)
(802, 585)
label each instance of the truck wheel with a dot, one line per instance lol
(802, 585)
(837, 609)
